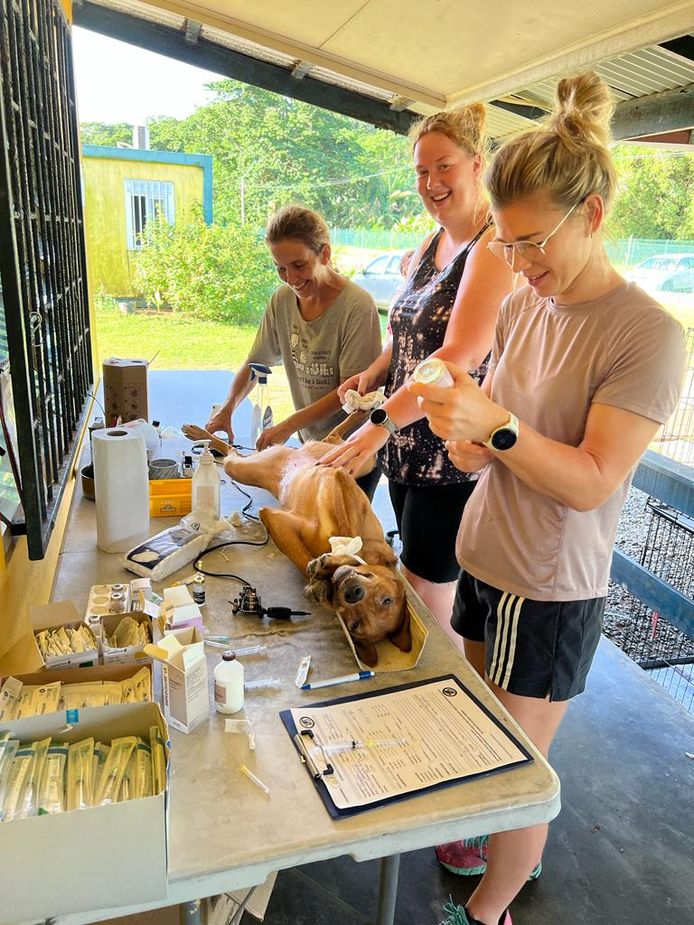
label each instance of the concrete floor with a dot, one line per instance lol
(621, 851)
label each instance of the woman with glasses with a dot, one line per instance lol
(584, 369)
(318, 324)
(446, 309)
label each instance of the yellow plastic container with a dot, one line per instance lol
(170, 497)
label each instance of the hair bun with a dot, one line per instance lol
(583, 111)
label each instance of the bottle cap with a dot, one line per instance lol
(228, 656)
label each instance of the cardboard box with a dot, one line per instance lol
(53, 616)
(84, 675)
(390, 658)
(178, 609)
(170, 497)
(123, 654)
(91, 858)
(184, 676)
(125, 390)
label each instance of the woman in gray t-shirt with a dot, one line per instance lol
(319, 325)
(585, 367)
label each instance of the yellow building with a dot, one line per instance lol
(123, 189)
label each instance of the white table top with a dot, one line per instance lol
(224, 833)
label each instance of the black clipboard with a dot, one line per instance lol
(319, 770)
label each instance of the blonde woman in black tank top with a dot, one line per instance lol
(448, 309)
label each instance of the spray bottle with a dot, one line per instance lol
(205, 489)
(261, 416)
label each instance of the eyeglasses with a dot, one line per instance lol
(526, 250)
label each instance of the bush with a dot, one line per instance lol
(220, 273)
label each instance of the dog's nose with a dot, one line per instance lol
(354, 593)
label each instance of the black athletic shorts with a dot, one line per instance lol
(368, 482)
(533, 648)
(428, 520)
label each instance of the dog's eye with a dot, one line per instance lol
(387, 601)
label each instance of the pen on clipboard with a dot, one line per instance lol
(343, 679)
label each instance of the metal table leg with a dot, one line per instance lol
(388, 890)
(189, 913)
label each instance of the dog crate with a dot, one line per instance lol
(644, 634)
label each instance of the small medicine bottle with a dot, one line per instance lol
(228, 684)
(433, 372)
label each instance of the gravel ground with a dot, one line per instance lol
(630, 625)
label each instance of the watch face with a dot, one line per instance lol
(379, 416)
(504, 438)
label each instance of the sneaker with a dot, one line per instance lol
(468, 858)
(458, 915)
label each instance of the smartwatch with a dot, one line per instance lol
(504, 437)
(379, 416)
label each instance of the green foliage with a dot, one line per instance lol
(656, 193)
(98, 133)
(214, 272)
(269, 150)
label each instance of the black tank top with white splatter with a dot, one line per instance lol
(419, 318)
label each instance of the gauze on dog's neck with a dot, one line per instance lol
(346, 546)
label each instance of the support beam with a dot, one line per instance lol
(229, 63)
(192, 31)
(653, 592)
(669, 111)
(683, 47)
(301, 69)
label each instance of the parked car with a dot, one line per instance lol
(381, 277)
(657, 272)
(680, 282)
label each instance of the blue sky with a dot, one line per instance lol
(121, 83)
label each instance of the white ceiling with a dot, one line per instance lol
(427, 55)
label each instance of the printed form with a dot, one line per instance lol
(404, 740)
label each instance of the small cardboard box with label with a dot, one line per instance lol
(80, 860)
(178, 609)
(124, 636)
(184, 672)
(125, 390)
(58, 632)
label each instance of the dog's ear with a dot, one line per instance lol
(402, 637)
(366, 651)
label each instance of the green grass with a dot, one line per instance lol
(171, 341)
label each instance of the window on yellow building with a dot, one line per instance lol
(144, 200)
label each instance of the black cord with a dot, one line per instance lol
(244, 581)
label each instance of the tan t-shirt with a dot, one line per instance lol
(318, 355)
(550, 363)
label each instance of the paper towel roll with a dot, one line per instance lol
(121, 487)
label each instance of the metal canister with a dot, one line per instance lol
(433, 371)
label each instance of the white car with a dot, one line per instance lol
(655, 272)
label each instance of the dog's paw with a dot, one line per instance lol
(318, 591)
(322, 567)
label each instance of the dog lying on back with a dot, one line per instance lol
(320, 502)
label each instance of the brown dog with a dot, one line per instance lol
(319, 502)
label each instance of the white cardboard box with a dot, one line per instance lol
(186, 697)
(54, 865)
(124, 654)
(52, 616)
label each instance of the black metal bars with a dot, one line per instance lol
(42, 253)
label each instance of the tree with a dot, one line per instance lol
(99, 133)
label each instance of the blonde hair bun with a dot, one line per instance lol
(583, 111)
(566, 156)
(464, 125)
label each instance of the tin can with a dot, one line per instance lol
(433, 372)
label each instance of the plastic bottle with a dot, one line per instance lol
(228, 684)
(261, 416)
(205, 489)
(433, 371)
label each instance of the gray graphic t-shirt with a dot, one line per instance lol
(318, 355)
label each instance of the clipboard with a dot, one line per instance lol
(332, 776)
